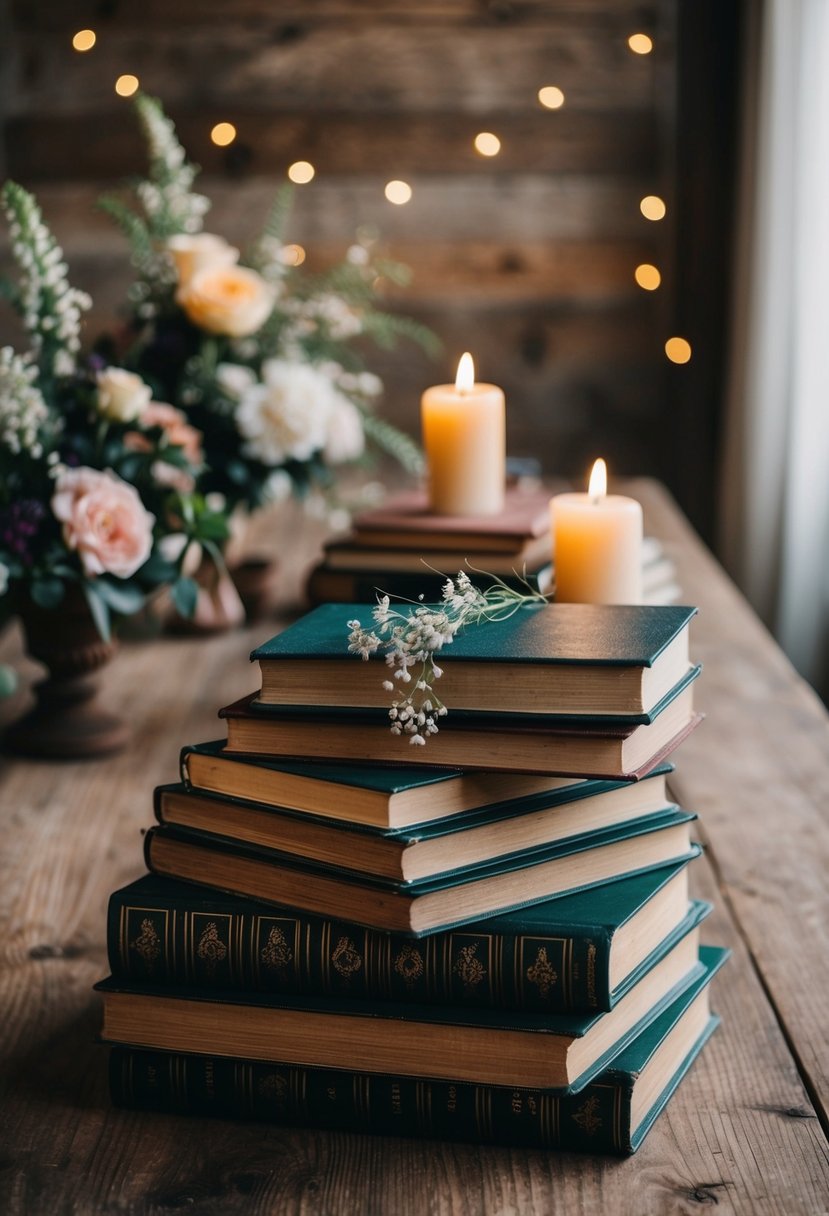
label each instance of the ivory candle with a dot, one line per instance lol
(597, 545)
(464, 434)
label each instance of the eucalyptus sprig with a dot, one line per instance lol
(410, 641)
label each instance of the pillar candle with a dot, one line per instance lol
(464, 435)
(597, 545)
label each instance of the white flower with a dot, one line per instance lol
(122, 396)
(278, 487)
(286, 416)
(357, 255)
(233, 379)
(22, 409)
(4, 578)
(344, 439)
(198, 252)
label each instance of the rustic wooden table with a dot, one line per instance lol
(746, 1131)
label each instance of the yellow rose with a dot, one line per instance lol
(193, 253)
(227, 300)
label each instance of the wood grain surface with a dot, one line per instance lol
(745, 1132)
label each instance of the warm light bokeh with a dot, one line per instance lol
(640, 44)
(551, 97)
(647, 276)
(678, 350)
(301, 172)
(653, 207)
(223, 134)
(126, 85)
(84, 40)
(487, 144)
(398, 192)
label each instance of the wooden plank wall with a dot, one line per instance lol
(527, 259)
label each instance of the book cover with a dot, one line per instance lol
(603, 1118)
(545, 745)
(558, 956)
(589, 635)
(445, 844)
(385, 796)
(560, 1052)
(566, 660)
(426, 905)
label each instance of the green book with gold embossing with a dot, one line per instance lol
(613, 1114)
(580, 953)
(560, 1052)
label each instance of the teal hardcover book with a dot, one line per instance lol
(562, 1052)
(614, 662)
(581, 952)
(426, 905)
(390, 798)
(612, 1114)
(429, 849)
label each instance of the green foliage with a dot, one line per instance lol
(403, 449)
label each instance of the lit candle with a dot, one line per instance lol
(464, 434)
(597, 545)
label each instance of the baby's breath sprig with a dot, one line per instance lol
(412, 639)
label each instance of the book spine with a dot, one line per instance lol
(242, 945)
(596, 1120)
(326, 585)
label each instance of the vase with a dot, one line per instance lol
(255, 579)
(218, 604)
(67, 722)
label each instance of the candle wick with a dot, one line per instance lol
(596, 499)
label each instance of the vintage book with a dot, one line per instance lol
(429, 904)
(612, 1114)
(530, 554)
(406, 521)
(430, 849)
(452, 1043)
(326, 586)
(578, 953)
(576, 660)
(519, 743)
(384, 796)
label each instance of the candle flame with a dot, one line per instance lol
(597, 487)
(465, 378)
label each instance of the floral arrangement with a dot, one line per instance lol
(412, 639)
(261, 354)
(96, 479)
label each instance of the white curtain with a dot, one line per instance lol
(775, 492)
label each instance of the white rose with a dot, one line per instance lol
(286, 416)
(345, 439)
(122, 396)
(192, 253)
(227, 300)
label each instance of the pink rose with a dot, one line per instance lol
(104, 520)
(176, 428)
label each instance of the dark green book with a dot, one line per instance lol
(612, 1114)
(377, 794)
(582, 952)
(391, 798)
(483, 1046)
(427, 850)
(587, 661)
(429, 904)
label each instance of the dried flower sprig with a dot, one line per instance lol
(412, 639)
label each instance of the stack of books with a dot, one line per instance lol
(404, 550)
(486, 938)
